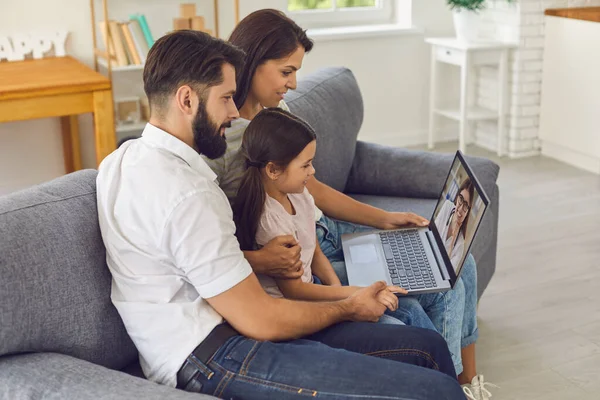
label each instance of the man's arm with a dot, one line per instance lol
(255, 314)
(200, 236)
(279, 258)
(339, 206)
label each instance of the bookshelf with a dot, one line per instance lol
(124, 71)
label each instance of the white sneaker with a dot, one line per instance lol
(477, 390)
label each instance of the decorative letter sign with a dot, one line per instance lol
(18, 46)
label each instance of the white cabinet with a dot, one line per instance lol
(468, 56)
(570, 109)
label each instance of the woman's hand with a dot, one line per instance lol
(395, 220)
(279, 259)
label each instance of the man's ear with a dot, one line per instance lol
(273, 171)
(184, 99)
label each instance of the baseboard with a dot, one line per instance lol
(571, 157)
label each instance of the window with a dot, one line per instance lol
(297, 5)
(331, 13)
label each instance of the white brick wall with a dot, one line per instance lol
(522, 23)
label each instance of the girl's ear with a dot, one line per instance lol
(272, 171)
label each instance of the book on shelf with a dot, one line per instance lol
(141, 19)
(106, 39)
(117, 40)
(132, 52)
(138, 39)
(126, 42)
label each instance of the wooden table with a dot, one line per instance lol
(60, 87)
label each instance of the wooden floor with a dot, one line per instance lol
(539, 319)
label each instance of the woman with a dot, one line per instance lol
(453, 219)
(275, 47)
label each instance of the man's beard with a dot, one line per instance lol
(207, 136)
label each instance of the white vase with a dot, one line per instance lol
(466, 23)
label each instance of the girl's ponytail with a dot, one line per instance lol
(248, 206)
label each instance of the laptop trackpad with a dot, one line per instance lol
(364, 253)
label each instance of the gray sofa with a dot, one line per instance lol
(60, 336)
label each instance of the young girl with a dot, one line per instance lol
(272, 200)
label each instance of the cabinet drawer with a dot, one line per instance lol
(487, 57)
(450, 56)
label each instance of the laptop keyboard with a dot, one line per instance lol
(406, 260)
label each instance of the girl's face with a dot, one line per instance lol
(274, 78)
(463, 206)
(298, 171)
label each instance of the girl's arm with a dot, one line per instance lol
(321, 267)
(298, 290)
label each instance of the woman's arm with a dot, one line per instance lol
(321, 267)
(298, 290)
(339, 206)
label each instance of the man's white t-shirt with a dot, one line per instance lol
(169, 236)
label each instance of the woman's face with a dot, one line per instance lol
(274, 78)
(463, 206)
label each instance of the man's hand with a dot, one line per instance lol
(395, 220)
(388, 297)
(364, 303)
(280, 259)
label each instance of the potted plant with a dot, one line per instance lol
(467, 18)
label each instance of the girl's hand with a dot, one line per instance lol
(395, 220)
(388, 297)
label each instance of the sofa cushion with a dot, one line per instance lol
(54, 282)
(330, 101)
(51, 376)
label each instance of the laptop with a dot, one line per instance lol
(422, 259)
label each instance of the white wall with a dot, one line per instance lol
(393, 73)
(524, 23)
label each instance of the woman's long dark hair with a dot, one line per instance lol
(468, 186)
(264, 35)
(276, 136)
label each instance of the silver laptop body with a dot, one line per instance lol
(416, 259)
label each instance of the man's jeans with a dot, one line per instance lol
(451, 313)
(350, 360)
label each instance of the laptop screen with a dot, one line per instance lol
(458, 212)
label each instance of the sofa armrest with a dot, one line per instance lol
(391, 171)
(56, 376)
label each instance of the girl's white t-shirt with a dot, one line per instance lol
(276, 221)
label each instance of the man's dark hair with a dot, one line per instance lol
(264, 35)
(186, 58)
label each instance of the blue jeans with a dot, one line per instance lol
(350, 360)
(451, 313)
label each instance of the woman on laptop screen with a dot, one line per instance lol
(452, 221)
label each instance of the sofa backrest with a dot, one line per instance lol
(330, 101)
(54, 281)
